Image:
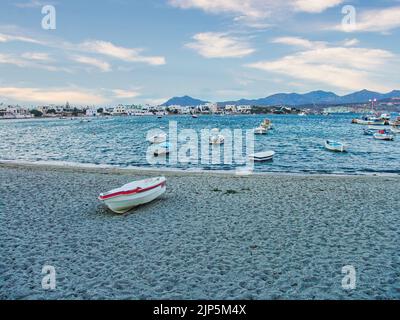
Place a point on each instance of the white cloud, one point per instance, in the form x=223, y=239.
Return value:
x=9, y=38
x=219, y=45
x=11, y=59
x=346, y=68
x=37, y=56
x=125, y=54
x=299, y=42
x=126, y=94
x=351, y=42
x=376, y=20
x=31, y=60
x=315, y=6
x=99, y=47
x=103, y=66
x=248, y=8
x=252, y=10
x=32, y=4
x=48, y=96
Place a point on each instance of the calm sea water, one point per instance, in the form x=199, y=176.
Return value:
x=297, y=141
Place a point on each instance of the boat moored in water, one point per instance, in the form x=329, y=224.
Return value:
x=134, y=194
x=266, y=124
x=395, y=129
x=384, y=135
x=262, y=156
x=260, y=131
x=162, y=150
x=396, y=122
x=335, y=146
x=216, y=138
x=159, y=138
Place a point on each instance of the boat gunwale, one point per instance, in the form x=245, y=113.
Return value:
x=137, y=190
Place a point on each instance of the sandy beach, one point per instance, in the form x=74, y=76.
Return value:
x=211, y=236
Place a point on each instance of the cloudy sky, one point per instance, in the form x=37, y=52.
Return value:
x=124, y=51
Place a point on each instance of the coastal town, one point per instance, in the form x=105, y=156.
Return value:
x=8, y=111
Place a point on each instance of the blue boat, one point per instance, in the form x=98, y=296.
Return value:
x=369, y=132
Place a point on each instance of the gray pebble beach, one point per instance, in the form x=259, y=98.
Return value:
x=211, y=236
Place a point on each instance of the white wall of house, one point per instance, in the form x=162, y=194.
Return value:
x=91, y=112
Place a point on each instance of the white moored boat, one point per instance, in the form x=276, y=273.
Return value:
x=335, y=146
x=262, y=156
x=260, y=130
x=266, y=124
x=383, y=135
x=160, y=138
x=163, y=149
x=395, y=129
x=134, y=194
x=216, y=138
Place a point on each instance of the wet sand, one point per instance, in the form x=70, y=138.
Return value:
x=211, y=236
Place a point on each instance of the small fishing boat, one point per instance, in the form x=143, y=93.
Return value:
x=385, y=116
x=162, y=149
x=396, y=122
x=216, y=138
x=159, y=138
x=134, y=194
x=371, y=119
x=335, y=146
x=384, y=135
x=260, y=131
x=262, y=156
x=395, y=129
x=266, y=124
x=376, y=128
x=369, y=132
x=195, y=116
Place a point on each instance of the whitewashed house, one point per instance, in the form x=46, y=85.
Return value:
x=119, y=110
x=244, y=109
x=14, y=112
x=91, y=112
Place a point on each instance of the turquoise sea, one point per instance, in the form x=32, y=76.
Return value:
x=121, y=141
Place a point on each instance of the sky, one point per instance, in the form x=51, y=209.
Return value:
x=107, y=52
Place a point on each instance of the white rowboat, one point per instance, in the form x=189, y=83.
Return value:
x=163, y=149
x=134, y=194
x=262, y=156
x=216, y=138
x=335, y=146
x=383, y=135
x=260, y=130
x=158, y=139
x=395, y=129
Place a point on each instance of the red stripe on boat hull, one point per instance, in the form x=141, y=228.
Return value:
x=130, y=192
